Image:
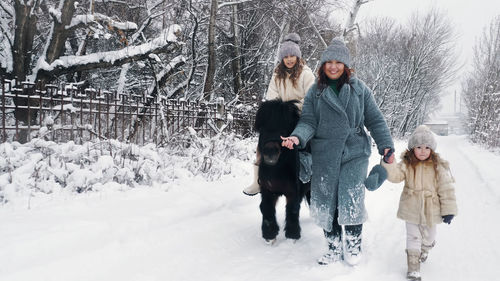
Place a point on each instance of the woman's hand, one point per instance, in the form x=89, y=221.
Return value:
x=288, y=142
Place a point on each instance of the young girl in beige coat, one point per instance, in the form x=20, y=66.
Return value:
x=290, y=81
x=428, y=197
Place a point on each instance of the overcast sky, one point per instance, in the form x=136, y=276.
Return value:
x=469, y=18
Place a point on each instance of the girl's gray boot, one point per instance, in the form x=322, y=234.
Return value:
x=413, y=258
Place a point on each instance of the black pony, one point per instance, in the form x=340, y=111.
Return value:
x=279, y=167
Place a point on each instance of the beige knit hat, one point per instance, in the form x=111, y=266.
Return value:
x=422, y=135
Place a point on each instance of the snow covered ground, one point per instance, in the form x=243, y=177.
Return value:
x=193, y=229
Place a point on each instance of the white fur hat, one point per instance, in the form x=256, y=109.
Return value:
x=422, y=135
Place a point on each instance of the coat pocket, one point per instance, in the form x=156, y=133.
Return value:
x=357, y=145
x=320, y=151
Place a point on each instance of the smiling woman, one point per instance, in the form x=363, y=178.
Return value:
x=336, y=110
x=333, y=69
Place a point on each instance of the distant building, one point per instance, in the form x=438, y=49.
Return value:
x=440, y=128
x=451, y=124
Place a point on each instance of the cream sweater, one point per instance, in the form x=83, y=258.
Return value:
x=286, y=91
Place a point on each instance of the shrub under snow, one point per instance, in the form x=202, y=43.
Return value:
x=45, y=167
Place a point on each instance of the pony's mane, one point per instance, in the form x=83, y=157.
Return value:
x=277, y=115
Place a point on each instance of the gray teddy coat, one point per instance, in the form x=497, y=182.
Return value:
x=340, y=148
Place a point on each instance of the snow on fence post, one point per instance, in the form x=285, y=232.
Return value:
x=123, y=115
x=108, y=107
x=26, y=92
x=4, y=115
x=155, y=116
x=90, y=110
x=115, y=112
x=98, y=97
x=63, y=130
x=16, y=109
x=71, y=115
x=144, y=115
x=219, y=113
x=81, y=96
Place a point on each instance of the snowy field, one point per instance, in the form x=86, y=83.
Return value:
x=190, y=228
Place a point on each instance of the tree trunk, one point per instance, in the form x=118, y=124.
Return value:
x=23, y=38
x=210, y=76
x=194, y=56
x=349, y=26
x=21, y=55
x=55, y=46
x=236, y=62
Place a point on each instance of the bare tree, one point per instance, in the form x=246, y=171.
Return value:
x=408, y=67
x=350, y=24
x=481, y=89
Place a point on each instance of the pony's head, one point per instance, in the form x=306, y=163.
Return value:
x=275, y=118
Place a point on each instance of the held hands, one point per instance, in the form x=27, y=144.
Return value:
x=447, y=219
x=388, y=155
x=289, y=142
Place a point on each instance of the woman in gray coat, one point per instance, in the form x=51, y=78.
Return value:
x=336, y=110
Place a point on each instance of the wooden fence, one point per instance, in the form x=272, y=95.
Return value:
x=66, y=113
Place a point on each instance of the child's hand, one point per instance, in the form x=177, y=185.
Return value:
x=289, y=142
x=447, y=219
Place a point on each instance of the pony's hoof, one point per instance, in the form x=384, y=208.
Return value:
x=270, y=242
x=292, y=233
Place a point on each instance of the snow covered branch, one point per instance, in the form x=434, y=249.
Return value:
x=165, y=43
x=123, y=3
x=162, y=77
x=55, y=14
x=225, y=4
x=84, y=20
x=7, y=9
x=316, y=31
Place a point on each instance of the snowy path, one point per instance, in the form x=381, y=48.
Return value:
x=194, y=230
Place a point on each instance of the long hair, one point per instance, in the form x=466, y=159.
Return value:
x=323, y=79
x=282, y=72
x=410, y=159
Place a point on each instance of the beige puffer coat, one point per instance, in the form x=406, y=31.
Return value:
x=286, y=91
x=426, y=197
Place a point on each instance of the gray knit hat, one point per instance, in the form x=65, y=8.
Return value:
x=422, y=135
x=290, y=46
x=338, y=51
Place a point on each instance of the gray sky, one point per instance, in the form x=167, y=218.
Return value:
x=469, y=18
